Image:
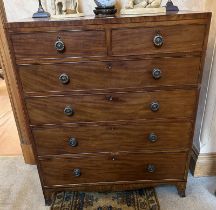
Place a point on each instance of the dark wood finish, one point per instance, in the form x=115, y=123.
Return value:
x=140, y=40
x=110, y=75
x=111, y=186
x=98, y=138
x=181, y=187
x=1, y=73
x=163, y=19
x=65, y=60
x=77, y=43
x=109, y=107
x=114, y=167
x=109, y=62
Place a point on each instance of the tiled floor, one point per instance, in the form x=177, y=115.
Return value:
x=9, y=140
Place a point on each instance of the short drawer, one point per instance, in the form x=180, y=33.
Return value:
x=169, y=39
x=109, y=107
x=110, y=75
x=99, y=138
x=81, y=169
x=76, y=43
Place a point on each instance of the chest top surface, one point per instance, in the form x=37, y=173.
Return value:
x=118, y=19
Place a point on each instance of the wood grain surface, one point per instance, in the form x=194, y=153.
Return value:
x=102, y=168
x=113, y=138
x=140, y=40
x=32, y=24
x=109, y=107
x=77, y=43
x=110, y=74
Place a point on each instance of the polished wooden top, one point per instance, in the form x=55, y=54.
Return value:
x=92, y=20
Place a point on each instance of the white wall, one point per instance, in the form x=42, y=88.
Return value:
x=208, y=137
x=18, y=9
x=208, y=134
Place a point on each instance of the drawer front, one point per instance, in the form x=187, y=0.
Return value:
x=114, y=167
x=108, y=75
x=76, y=43
x=179, y=38
x=109, y=107
x=111, y=138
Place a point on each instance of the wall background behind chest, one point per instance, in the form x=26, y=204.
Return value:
x=17, y=9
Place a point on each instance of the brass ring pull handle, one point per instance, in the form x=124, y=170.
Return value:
x=59, y=45
x=64, y=79
x=155, y=106
x=156, y=73
x=158, y=40
x=68, y=111
x=152, y=137
x=73, y=142
x=77, y=172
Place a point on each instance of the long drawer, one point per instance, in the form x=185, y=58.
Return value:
x=123, y=166
x=172, y=39
x=110, y=75
x=109, y=107
x=111, y=138
x=76, y=43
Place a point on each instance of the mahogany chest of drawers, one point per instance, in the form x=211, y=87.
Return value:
x=111, y=102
